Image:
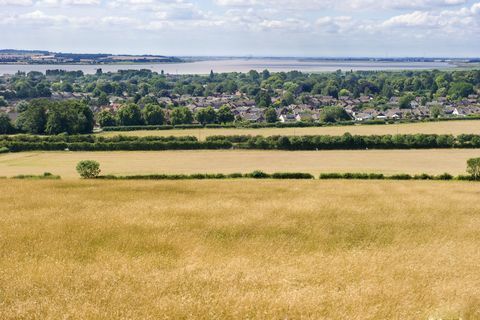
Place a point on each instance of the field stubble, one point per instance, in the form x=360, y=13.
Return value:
x=239, y=249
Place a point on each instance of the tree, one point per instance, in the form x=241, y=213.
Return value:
x=206, y=115
x=106, y=118
x=404, y=101
x=153, y=114
x=181, y=115
x=72, y=117
x=103, y=99
x=436, y=111
x=129, y=115
x=344, y=93
x=88, y=169
x=225, y=115
x=271, y=115
x=333, y=114
x=32, y=120
x=3, y=103
x=288, y=98
x=263, y=99
x=5, y=124
x=473, y=168
x=460, y=90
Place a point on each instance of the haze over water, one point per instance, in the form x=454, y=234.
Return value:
x=235, y=65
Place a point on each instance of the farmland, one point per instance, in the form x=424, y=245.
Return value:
x=430, y=161
x=441, y=127
x=239, y=249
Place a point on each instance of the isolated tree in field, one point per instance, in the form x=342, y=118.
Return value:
x=473, y=168
x=88, y=169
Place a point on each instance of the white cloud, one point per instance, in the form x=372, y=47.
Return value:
x=16, y=2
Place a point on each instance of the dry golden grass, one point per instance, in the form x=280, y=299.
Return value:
x=239, y=250
x=445, y=127
x=382, y=161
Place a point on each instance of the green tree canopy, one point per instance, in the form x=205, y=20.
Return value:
x=106, y=118
x=153, y=114
x=129, y=115
x=225, y=115
x=333, y=114
x=206, y=115
x=181, y=115
x=271, y=115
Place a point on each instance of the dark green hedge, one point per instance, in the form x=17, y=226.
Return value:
x=207, y=176
x=350, y=142
x=375, y=176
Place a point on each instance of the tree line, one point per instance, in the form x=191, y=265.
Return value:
x=344, y=142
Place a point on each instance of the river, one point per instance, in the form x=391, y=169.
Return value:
x=234, y=65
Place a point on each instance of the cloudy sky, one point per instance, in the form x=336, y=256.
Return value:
x=245, y=27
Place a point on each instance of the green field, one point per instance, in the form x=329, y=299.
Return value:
x=434, y=161
x=441, y=127
x=239, y=250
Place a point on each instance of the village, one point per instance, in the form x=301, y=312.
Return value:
x=359, y=110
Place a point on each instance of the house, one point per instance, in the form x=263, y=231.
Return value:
x=287, y=118
x=254, y=117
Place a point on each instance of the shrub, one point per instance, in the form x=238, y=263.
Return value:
x=292, y=175
x=45, y=176
x=423, y=176
x=401, y=177
x=88, y=169
x=235, y=176
x=445, y=176
x=4, y=150
x=331, y=176
x=258, y=175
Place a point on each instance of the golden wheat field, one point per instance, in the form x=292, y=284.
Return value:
x=239, y=250
x=452, y=161
x=445, y=127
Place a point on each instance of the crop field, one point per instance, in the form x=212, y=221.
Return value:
x=442, y=127
x=435, y=161
x=239, y=250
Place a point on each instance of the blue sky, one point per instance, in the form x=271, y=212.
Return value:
x=245, y=27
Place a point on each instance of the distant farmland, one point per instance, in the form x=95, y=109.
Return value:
x=430, y=161
x=442, y=127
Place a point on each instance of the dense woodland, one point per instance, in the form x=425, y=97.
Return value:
x=140, y=94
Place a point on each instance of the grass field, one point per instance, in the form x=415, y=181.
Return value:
x=239, y=250
x=437, y=161
x=444, y=127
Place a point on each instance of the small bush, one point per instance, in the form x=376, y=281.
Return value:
x=423, y=176
x=292, y=175
x=445, y=176
x=45, y=176
x=235, y=176
x=331, y=176
x=4, y=150
x=258, y=175
x=88, y=169
x=401, y=177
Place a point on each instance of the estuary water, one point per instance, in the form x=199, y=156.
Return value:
x=234, y=65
